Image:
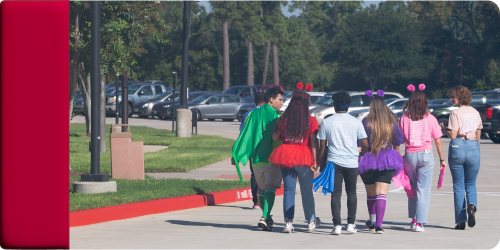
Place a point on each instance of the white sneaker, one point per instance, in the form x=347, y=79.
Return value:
x=288, y=227
x=412, y=225
x=337, y=230
x=352, y=228
x=419, y=228
x=313, y=224
x=255, y=207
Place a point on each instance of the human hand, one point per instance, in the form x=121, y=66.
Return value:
x=443, y=165
x=232, y=161
x=313, y=167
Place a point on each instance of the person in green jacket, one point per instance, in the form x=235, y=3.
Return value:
x=255, y=143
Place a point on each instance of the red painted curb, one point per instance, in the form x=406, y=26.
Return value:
x=126, y=211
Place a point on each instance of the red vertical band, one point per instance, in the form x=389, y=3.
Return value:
x=34, y=124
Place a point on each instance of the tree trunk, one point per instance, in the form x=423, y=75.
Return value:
x=225, y=44
x=276, y=77
x=74, y=68
x=85, y=86
x=103, y=117
x=250, y=77
x=266, y=61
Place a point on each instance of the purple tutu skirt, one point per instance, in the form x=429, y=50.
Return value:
x=385, y=160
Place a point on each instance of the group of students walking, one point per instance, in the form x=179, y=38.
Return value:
x=290, y=146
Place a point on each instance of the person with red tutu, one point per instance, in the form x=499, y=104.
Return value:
x=382, y=160
x=297, y=156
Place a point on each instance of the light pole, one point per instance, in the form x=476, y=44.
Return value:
x=95, y=57
x=173, y=100
x=183, y=114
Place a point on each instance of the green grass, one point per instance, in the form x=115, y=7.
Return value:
x=130, y=191
x=182, y=154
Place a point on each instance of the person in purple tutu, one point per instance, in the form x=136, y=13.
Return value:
x=382, y=160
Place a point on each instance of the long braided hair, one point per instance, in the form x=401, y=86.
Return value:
x=296, y=114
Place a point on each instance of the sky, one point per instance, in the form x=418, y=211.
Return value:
x=285, y=8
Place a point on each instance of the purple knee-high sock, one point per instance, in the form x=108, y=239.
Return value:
x=380, y=205
x=370, y=202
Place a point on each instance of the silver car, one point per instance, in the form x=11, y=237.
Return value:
x=395, y=104
x=216, y=106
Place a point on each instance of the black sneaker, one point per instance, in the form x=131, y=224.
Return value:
x=379, y=230
x=471, y=213
x=460, y=225
x=269, y=226
x=262, y=223
x=370, y=226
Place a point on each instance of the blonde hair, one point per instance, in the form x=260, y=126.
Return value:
x=381, y=120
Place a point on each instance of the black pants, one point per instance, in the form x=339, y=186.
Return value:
x=253, y=185
x=350, y=175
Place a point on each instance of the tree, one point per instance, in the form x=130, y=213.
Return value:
x=223, y=11
x=382, y=45
x=249, y=23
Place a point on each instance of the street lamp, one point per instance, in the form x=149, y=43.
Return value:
x=183, y=114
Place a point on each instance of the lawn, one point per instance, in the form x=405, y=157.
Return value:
x=182, y=154
x=130, y=191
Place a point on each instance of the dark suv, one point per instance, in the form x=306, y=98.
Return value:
x=487, y=103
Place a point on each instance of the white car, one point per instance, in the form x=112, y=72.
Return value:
x=359, y=101
x=315, y=96
x=395, y=104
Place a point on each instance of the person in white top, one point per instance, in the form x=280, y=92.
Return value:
x=464, y=156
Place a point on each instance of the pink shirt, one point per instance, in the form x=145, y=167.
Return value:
x=466, y=121
x=418, y=133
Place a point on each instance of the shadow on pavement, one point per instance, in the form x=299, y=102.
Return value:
x=208, y=224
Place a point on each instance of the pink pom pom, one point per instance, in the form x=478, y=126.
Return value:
x=421, y=87
x=411, y=88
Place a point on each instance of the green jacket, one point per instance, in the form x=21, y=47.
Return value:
x=256, y=138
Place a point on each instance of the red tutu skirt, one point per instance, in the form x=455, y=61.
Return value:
x=291, y=155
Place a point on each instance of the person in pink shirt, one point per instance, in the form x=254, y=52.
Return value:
x=464, y=155
x=419, y=128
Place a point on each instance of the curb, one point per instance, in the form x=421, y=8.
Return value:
x=131, y=210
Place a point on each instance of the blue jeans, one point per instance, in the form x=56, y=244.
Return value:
x=419, y=166
x=464, y=159
x=290, y=182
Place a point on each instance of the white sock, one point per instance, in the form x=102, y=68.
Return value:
x=373, y=218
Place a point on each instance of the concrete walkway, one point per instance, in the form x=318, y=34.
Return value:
x=233, y=225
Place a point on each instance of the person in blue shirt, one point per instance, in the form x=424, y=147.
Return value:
x=259, y=102
x=342, y=131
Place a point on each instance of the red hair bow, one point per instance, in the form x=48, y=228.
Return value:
x=309, y=87
x=300, y=86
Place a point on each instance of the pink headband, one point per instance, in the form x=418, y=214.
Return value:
x=411, y=88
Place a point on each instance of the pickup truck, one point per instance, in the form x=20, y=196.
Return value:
x=487, y=103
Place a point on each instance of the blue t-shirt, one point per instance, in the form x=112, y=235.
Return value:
x=342, y=132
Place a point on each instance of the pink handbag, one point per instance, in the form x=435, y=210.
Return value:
x=401, y=179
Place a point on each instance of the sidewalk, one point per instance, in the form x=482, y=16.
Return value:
x=234, y=225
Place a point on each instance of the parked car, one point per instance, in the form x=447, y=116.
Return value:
x=167, y=87
x=161, y=109
x=314, y=97
x=395, y=104
x=113, y=84
x=215, y=106
x=136, y=93
x=359, y=101
x=437, y=101
x=145, y=109
x=247, y=93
